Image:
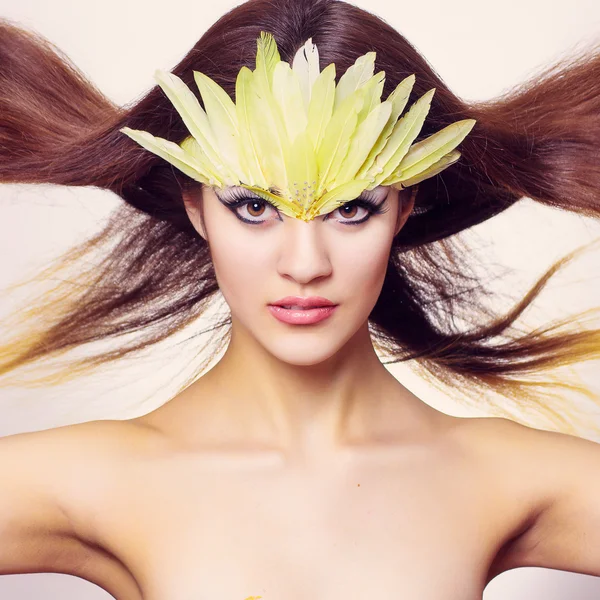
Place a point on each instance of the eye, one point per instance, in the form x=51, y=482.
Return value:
x=249, y=209
x=253, y=208
x=349, y=210
x=245, y=207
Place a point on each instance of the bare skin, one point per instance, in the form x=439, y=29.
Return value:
x=178, y=514
x=299, y=467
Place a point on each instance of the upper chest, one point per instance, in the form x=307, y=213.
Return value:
x=422, y=523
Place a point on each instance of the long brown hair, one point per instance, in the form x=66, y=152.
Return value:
x=540, y=140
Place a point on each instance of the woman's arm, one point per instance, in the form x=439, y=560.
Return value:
x=47, y=479
x=561, y=473
x=36, y=534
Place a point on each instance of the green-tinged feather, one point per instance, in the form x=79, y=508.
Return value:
x=398, y=98
x=269, y=133
x=303, y=174
x=338, y=196
x=355, y=77
x=372, y=91
x=222, y=117
x=336, y=140
x=193, y=116
x=321, y=105
x=247, y=146
x=425, y=153
x=297, y=140
x=404, y=133
x=170, y=152
x=288, y=95
x=362, y=141
x=267, y=56
x=434, y=169
x=266, y=121
x=191, y=147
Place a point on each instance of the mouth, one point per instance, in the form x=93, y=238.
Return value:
x=302, y=310
x=301, y=316
x=303, y=303
x=298, y=307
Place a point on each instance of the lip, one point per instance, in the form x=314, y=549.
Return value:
x=301, y=317
x=305, y=303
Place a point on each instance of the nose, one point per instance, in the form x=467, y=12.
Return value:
x=303, y=254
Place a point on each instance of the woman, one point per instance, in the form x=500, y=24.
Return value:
x=298, y=466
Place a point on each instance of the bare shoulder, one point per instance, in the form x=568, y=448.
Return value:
x=548, y=480
x=57, y=481
x=513, y=451
x=110, y=452
x=81, y=463
x=503, y=452
x=103, y=452
x=490, y=434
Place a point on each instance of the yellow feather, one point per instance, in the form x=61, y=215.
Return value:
x=296, y=139
x=404, y=133
x=355, y=77
x=336, y=140
x=303, y=174
x=269, y=133
x=398, y=98
x=170, y=152
x=221, y=114
x=427, y=152
x=267, y=56
x=338, y=196
x=288, y=95
x=191, y=147
x=434, y=169
x=265, y=119
x=366, y=135
x=247, y=147
x=193, y=116
x=372, y=90
x=320, y=108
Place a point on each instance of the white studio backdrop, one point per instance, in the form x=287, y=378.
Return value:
x=480, y=49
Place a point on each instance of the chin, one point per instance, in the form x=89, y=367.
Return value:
x=303, y=354
x=301, y=346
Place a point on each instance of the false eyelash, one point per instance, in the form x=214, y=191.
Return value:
x=373, y=207
x=240, y=196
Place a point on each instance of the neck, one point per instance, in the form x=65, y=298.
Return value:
x=311, y=409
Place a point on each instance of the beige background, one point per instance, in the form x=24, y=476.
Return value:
x=479, y=48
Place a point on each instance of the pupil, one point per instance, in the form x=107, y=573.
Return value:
x=252, y=206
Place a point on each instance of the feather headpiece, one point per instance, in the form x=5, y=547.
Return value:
x=298, y=140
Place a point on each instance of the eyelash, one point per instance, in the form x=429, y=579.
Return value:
x=239, y=197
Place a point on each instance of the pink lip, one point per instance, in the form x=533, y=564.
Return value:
x=301, y=317
x=305, y=303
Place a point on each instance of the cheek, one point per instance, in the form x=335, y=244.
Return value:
x=245, y=261
x=362, y=265
x=242, y=263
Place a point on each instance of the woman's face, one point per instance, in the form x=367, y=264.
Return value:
x=261, y=255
